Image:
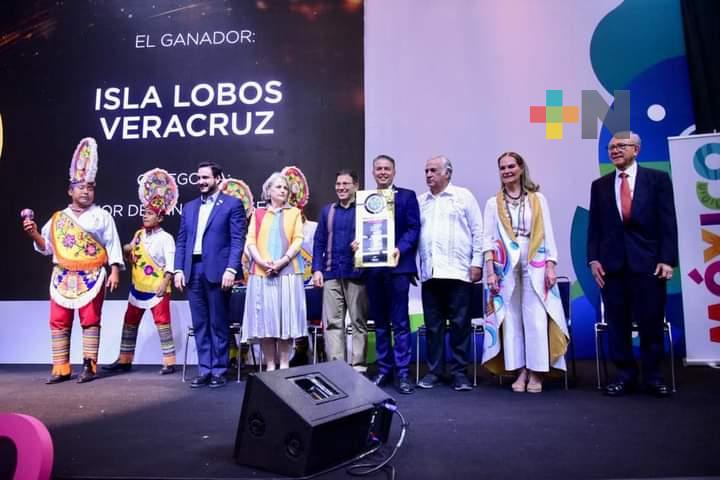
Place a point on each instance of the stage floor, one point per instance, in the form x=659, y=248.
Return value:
x=143, y=425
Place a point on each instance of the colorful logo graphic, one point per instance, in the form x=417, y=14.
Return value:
x=554, y=114
x=654, y=68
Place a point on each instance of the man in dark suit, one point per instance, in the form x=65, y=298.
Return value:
x=207, y=259
x=388, y=288
x=632, y=249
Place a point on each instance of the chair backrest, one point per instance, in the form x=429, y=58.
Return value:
x=477, y=301
x=313, y=304
x=237, y=304
x=563, y=284
x=633, y=325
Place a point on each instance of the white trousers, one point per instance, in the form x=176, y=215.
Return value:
x=525, y=328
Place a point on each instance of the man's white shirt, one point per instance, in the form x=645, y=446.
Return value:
x=450, y=234
x=203, y=216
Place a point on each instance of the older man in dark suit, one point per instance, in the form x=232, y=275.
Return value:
x=388, y=287
x=632, y=249
x=207, y=258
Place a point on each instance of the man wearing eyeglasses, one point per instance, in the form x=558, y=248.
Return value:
x=632, y=249
x=334, y=271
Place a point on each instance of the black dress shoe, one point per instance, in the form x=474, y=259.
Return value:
x=87, y=374
x=116, y=366
x=403, y=385
x=381, y=379
x=167, y=369
x=201, y=381
x=619, y=388
x=57, y=379
x=217, y=382
x=659, y=390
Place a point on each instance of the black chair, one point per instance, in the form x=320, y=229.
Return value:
x=477, y=322
x=601, y=327
x=369, y=325
x=316, y=327
x=564, y=284
x=189, y=333
x=313, y=304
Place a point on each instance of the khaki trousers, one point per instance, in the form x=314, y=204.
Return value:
x=343, y=298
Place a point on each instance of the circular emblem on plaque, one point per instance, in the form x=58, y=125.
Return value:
x=375, y=203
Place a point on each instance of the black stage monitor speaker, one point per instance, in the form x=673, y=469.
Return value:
x=304, y=420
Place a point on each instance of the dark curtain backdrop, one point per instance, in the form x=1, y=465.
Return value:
x=701, y=22
x=55, y=56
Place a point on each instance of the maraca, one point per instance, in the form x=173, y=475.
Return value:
x=27, y=214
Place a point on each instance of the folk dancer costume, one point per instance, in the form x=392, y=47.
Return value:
x=524, y=322
x=153, y=257
x=81, y=244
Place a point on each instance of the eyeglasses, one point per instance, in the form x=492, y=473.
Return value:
x=621, y=146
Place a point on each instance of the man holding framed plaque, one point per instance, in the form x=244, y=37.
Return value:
x=387, y=231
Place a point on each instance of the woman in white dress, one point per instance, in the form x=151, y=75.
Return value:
x=525, y=329
x=275, y=310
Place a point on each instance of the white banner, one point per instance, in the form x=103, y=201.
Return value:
x=695, y=162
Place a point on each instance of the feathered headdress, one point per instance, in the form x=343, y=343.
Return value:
x=299, y=193
x=158, y=191
x=84, y=164
x=238, y=189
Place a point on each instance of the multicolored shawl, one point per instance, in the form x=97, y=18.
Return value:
x=273, y=232
x=505, y=256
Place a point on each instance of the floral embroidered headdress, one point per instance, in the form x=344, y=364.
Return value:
x=84, y=164
x=158, y=191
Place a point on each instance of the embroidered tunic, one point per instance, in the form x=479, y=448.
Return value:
x=80, y=247
x=154, y=254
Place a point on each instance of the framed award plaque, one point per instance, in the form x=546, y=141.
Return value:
x=375, y=228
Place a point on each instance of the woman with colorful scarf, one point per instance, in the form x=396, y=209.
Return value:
x=525, y=329
x=275, y=311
